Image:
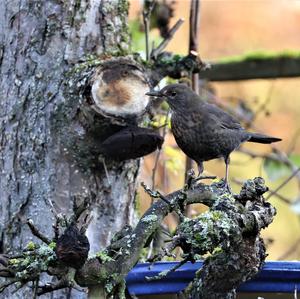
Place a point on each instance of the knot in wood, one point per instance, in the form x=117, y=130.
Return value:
x=118, y=88
x=252, y=190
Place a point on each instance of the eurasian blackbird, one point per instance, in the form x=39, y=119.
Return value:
x=203, y=131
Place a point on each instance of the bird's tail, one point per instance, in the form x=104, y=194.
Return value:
x=260, y=138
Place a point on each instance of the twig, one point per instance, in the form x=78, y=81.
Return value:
x=6, y=284
x=49, y=202
x=35, y=286
x=148, y=7
x=155, y=194
x=155, y=52
x=283, y=183
x=276, y=155
x=194, y=25
x=88, y=219
x=165, y=125
x=61, y=284
x=78, y=210
x=294, y=141
x=4, y=259
x=165, y=273
x=37, y=233
x=284, y=199
x=4, y=270
x=193, y=47
x=22, y=284
x=165, y=251
x=56, y=228
x=69, y=293
x=263, y=106
x=102, y=159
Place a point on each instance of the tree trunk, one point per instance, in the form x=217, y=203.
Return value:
x=39, y=42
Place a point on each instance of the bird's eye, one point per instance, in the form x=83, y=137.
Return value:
x=124, y=73
x=173, y=93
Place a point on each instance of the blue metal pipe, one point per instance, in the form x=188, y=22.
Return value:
x=275, y=277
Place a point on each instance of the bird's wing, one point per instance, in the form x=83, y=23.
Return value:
x=222, y=118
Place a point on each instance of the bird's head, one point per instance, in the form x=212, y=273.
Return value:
x=177, y=95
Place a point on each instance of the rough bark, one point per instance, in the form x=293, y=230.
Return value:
x=40, y=42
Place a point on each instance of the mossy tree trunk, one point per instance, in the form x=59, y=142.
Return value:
x=39, y=42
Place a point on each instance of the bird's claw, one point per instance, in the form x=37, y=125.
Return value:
x=204, y=177
x=192, y=178
x=228, y=188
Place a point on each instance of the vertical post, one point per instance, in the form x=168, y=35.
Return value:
x=193, y=46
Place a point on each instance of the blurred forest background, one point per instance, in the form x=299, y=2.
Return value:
x=233, y=28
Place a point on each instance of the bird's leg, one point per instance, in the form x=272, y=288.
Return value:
x=102, y=160
x=227, y=161
x=200, y=168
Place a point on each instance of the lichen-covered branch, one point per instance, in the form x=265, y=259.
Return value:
x=111, y=266
x=236, y=257
x=254, y=66
x=230, y=228
x=175, y=66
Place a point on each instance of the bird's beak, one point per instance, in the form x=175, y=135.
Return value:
x=154, y=93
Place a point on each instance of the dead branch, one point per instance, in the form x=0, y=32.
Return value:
x=148, y=7
x=231, y=221
x=165, y=42
x=37, y=233
x=175, y=66
x=253, y=68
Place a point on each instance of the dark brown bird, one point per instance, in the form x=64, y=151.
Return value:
x=72, y=247
x=203, y=131
x=131, y=143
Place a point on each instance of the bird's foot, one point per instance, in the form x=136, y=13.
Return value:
x=227, y=187
x=204, y=177
x=191, y=175
x=193, y=179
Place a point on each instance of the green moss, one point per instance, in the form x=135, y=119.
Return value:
x=115, y=286
x=25, y=262
x=33, y=262
x=177, y=57
x=217, y=250
x=103, y=256
x=14, y=261
x=206, y=232
x=123, y=6
x=170, y=60
x=52, y=245
x=30, y=246
x=260, y=55
x=124, y=45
